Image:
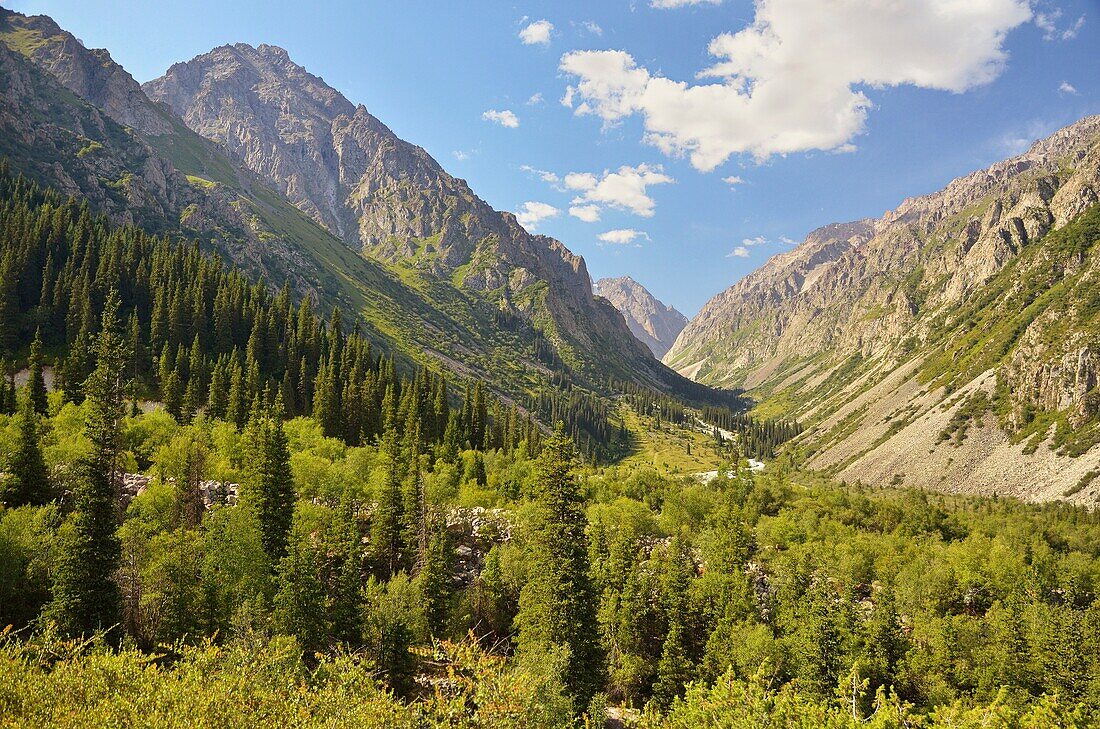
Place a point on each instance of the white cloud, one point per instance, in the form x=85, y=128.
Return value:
x=535, y=99
x=1071, y=32
x=681, y=3
x=790, y=81
x=460, y=155
x=592, y=27
x=587, y=213
x=504, y=118
x=531, y=214
x=1067, y=88
x=567, y=97
x=537, y=33
x=742, y=251
x=623, y=189
x=733, y=180
x=580, y=180
x=1047, y=21
x=621, y=237
x=544, y=175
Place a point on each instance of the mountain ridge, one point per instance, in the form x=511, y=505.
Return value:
x=893, y=315
x=391, y=199
x=145, y=165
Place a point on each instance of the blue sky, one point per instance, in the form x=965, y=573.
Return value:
x=819, y=111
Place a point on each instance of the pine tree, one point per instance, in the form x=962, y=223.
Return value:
x=345, y=609
x=674, y=670
x=434, y=581
x=387, y=546
x=448, y=451
x=558, y=603
x=190, y=502
x=36, y=383
x=269, y=487
x=29, y=481
x=86, y=595
x=195, y=393
x=300, y=599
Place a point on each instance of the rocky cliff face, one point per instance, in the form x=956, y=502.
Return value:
x=655, y=324
x=349, y=172
x=74, y=119
x=967, y=285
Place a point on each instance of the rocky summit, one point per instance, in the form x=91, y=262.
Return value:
x=654, y=323
x=389, y=198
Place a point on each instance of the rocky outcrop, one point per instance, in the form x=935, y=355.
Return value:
x=974, y=281
x=347, y=170
x=654, y=323
x=90, y=74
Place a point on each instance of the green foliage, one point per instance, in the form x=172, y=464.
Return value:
x=86, y=596
x=557, y=604
x=28, y=481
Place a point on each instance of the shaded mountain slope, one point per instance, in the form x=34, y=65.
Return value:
x=346, y=170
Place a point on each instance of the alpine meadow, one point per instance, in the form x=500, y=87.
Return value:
x=299, y=430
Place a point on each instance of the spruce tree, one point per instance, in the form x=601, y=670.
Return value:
x=269, y=487
x=387, y=546
x=86, y=596
x=300, y=599
x=674, y=670
x=28, y=482
x=345, y=609
x=434, y=581
x=36, y=382
x=558, y=603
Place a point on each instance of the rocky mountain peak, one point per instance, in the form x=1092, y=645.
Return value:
x=380, y=194
x=654, y=323
x=90, y=74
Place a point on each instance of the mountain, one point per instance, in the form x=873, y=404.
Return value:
x=656, y=325
x=477, y=293
x=952, y=343
x=388, y=198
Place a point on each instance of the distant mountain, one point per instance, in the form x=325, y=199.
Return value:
x=389, y=198
x=444, y=279
x=952, y=343
x=655, y=324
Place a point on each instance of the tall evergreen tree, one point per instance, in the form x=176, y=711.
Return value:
x=387, y=545
x=86, y=596
x=269, y=487
x=345, y=609
x=434, y=581
x=29, y=481
x=36, y=382
x=558, y=603
x=300, y=599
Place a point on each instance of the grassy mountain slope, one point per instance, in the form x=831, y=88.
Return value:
x=951, y=344
x=135, y=160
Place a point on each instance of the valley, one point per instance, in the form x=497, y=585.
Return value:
x=296, y=429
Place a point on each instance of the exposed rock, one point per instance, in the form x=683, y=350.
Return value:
x=347, y=170
x=844, y=331
x=654, y=323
